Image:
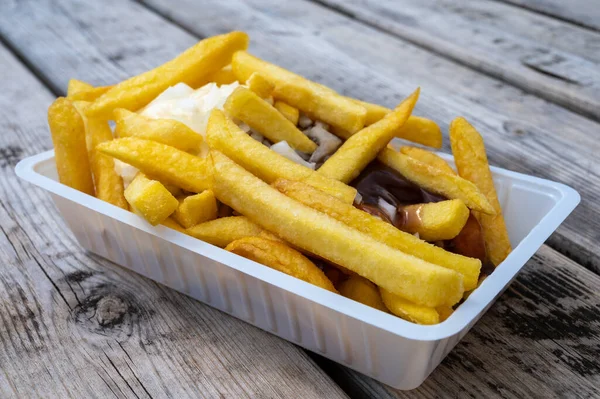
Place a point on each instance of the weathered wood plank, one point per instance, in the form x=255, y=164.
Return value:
x=473, y=34
x=540, y=340
x=522, y=132
x=579, y=12
x=75, y=325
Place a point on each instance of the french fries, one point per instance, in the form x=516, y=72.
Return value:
x=313, y=99
x=436, y=181
x=197, y=208
x=362, y=290
x=247, y=106
x=108, y=184
x=472, y=164
x=280, y=257
x=444, y=312
x=260, y=85
x=223, y=231
x=81, y=91
x=405, y=275
x=376, y=228
x=70, y=149
x=164, y=163
x=223, y=76
x=193, y=67
x=409, y=311
x=172, y=224
x=427, y=157
x=291, y=113
x=435, y=221
x=224, y=135
x=360, y=149
x=166, y=131
x=150, y=199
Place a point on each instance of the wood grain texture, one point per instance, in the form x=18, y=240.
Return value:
x=541, y=339
x=522, y=132
x=75, y=325
x=578, y=12
x=464, y=32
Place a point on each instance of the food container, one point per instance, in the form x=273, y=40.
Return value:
x=382, y=346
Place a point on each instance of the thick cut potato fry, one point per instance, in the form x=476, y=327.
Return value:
x=164, y=163
x=416, y=129
x=362, y=290
x=227, y=137
x=281, y=257
x=315, y=232
x=70, y=150
x=81, y=91
x=247, y=106
x=360, y=149
x=409, y=311
x=376, y=228
x=291, y=113
x=444, y=312
x=193, y=67
x=317, y=101
x=472, y=164
x=172, y=224
x=260, y=85
x=223, y=231
x=197, y=208
x=108, y=183
x=150, y=199
x=166, y=131
x=223, y=76
x=435, y=180
x=427, y=157
x=435, y=221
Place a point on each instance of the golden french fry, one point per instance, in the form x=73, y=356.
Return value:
x=376, y=228
x=197, y=208
x=360, y=149
x=174, y=190
x=226, y=136
x=108, y=183
x=409, y=311
x=472, y=164
x=150, y=199
x=416, y=129
x=172, y=224
x=164, y=163
x=427, y=157
x=70, y=150
x=223, y=76
x=436, y=181
x=362, y=290
x=310, y=230
x=444, y=312
x=166, y=131
x=280, y=257
x=317, y=101
x=291, y=113
x=82, y=91
x=435, y=221
x=223, y=231
x=192, y=67
x=260, y=85
x=247, y=106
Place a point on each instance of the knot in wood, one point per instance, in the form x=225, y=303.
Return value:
x=110, y=310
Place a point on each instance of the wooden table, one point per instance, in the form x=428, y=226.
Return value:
x=525, y=72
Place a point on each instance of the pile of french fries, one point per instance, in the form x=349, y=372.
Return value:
x=225, y=187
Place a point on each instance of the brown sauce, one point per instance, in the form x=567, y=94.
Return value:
x=378, y=181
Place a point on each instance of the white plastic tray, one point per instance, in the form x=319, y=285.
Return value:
x=382, y=346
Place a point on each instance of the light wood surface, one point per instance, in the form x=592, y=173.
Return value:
x=578, y=12
x=72, y=324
